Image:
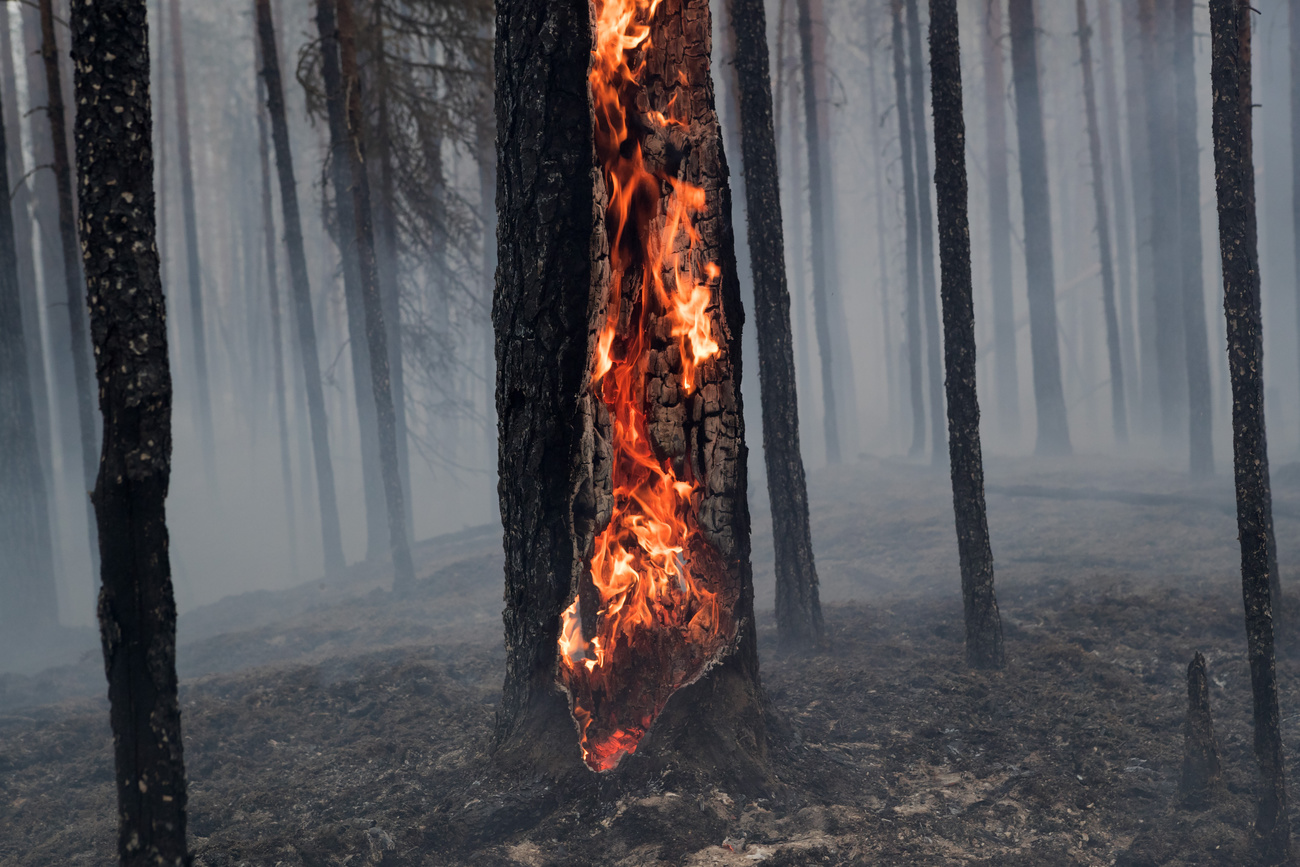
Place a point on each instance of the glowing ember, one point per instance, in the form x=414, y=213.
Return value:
x=661, y=619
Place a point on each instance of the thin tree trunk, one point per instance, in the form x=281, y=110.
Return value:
x=1294, y=23
x=75, y=292
x=137, y=612
x=273, y=295
x=925, y=231
x=798, y=605
x=28, y=594
x=910, y=242
x=1119, y=411
x=343, y=84
x=1238, y=244
x=1049, y=397
x=198, y=334
x=983, y=623
x=1005, y=362
x=821, y=262
x=882, y=251
x=1195, y=337
x=331, y=532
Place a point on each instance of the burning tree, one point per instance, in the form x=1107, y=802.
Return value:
x=622, y=452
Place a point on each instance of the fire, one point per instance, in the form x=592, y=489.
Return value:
x=661, y=619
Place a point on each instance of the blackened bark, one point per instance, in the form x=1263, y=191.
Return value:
x=331, y=532
x=925, y=231
x=966, y=461
x=137, y=613
x=552, y=285
x=910, y=241
x=1195, y=338
x=1238, y=244
x=28, y=599
x=1119, y=410
x=194, y=268
x=1007, y=370
x=340, y=168
x=1049, y=398
x=1201, y=768
x=72, y=281
x=336, y=25
x=273, y=295
x=798, y=605
x=821, y=260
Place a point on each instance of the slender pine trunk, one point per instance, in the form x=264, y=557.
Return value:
x=911, y=255
x=878, y=148
x=1238, y=244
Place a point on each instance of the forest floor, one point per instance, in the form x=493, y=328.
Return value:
x=334, y=725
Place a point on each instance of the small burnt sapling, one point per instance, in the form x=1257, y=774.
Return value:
x=1202, y=772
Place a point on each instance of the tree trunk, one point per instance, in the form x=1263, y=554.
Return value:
x=798, y=606
x=1202, y=772
x=1119, y=412
x=72, y=281
x=331, y=532
x=914, y=363
x=925, y=229
x=1295, y=148
x=1005, y=365
x=1049, y=397
x=28, y=595
x=1195, y=336
x=818, y=153
x=559, y=286
x=966, y=461
x=1238, y=239
x=137, y=613
x=273, y=295
x=198, y=334
x=340, y=166
x=879, y=149
x=343, y=85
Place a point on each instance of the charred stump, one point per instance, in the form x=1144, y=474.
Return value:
x=1238, y=244
x=580, y=293
x=1201, y=768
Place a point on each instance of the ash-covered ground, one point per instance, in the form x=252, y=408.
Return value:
x=334, y=725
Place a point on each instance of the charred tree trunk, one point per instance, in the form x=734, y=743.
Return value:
x=343, y=84
x=818, y=153
x=340, y=166
x=798, y=605
x=72, y=282
x=1004, y=307
x=1119, y=410
x=925, y=230
x=1238, y=244
x=28, y=597
x=1202, y=773
x=556, y=287
x=966, y=460
x=910, y=241
x=1195, y=336
x=273, y=295
x=1049, y=397
x=194, y=268
x=137, y=613
x=331, y=532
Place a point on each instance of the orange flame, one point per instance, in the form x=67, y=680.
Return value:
x=652, y=567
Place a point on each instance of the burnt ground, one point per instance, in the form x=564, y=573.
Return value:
x=333, y=725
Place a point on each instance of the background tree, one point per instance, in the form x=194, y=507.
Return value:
x=1230, y=27
x=137, y=612
x=915, y=369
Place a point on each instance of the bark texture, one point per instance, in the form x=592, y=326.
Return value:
x=915, y=364
x=1119, y=410
x=925, y=232
x=331, y=532
x=1049, y=398
x=554, y=451
x=1238, y=244
x=1201, y=768
x=966, y=461
x=193, y=262
x=1007, y=371
x=137, y=613
x=798, y=605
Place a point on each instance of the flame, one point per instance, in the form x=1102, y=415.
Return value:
x=653, y=571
